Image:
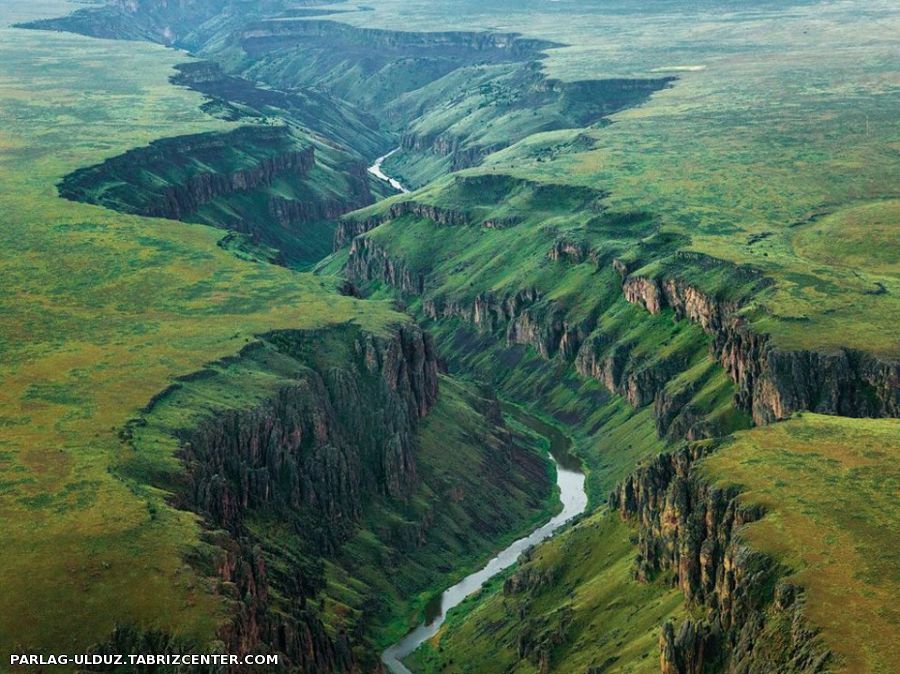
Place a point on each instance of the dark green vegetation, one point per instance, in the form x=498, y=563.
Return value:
x=260, y=181
x=676, y=272
x=305, y=452
x=281, y=181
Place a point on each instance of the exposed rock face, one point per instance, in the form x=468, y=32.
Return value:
x=179, y=187
x=369, y=262
x=310, y=457
x=177, y=201
x=287, y=212
x=574, y=252
x=689, y=529
x=489, y=189
x=485, y=45
x=226, y=180
x=350, y=228
x=446, y=145
x=529, y=319
x=774, y=383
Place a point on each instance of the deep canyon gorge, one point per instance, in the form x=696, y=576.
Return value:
x=531, y=338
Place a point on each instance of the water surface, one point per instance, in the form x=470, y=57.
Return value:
x=573, y=496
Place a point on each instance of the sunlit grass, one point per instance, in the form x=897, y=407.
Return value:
x=613, y=620
x=830, y=489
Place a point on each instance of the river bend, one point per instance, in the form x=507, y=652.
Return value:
x=573, y=496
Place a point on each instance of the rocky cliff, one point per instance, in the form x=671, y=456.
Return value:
x=483, y=190
x=774, y=383
x=621, y=362
x=369, y=262
x=266, y=182
x=178, y=201
x=310, y=458
x=174, y=177
x=690, y=530
x=349, y=228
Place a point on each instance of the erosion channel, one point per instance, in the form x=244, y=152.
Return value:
x=569, y=479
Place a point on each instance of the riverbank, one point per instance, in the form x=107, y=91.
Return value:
x=573, y=497
x=376, y=170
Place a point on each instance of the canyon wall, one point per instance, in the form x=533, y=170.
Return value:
x=621, y=362
x=311, y=458
x=774, y=383
x=753, y=620
x=174, y=177
x=178, y=201
x=261, y=181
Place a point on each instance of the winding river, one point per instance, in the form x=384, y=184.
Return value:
x=570, y=480
x=375, y=170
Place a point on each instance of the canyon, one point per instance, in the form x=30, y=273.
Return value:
x=381, y=273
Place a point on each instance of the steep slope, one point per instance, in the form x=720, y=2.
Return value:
x=150, y=435
x=598, y=294
x=704, y=264
x=550, y=289
x=101, y=311
x=772, y=537
x=278, y=187
x=452, y=97
x=309, y=458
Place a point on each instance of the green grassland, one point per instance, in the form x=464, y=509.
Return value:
x=831, y=491
x=777, y=119
x=98, y=312
x=462, y=262
x=777, y=149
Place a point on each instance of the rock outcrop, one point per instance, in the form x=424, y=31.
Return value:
x=690, y=530
x=350, y=228
x=369, y=262
x=773, y=383
x=228, y=180
x=179, y=200
x=528, y=318
x=310, y=457
x=174, y=177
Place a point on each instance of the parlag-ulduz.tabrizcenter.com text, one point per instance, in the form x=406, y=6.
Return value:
x=136, y=659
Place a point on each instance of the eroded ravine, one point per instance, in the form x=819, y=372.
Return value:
x=572, y=495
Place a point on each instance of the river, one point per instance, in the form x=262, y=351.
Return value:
x=375, y=170
x=570, y=480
